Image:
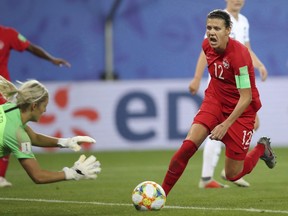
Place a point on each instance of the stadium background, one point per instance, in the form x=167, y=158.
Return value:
x=156, y=46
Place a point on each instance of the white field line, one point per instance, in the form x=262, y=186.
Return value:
x=125, y=204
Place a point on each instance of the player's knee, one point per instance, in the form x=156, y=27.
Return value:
x=232, y=176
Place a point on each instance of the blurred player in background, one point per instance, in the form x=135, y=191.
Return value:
x=27, y=104
x=10, y=39
x=229, y=107
x=212, y=148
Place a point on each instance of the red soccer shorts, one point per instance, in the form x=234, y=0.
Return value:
x=238, y=137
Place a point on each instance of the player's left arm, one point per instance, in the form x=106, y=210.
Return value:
x=73, y=143
x=243, y=84
x=41, y=140
x=245, y=99
x=257, y=63
x=40, y=52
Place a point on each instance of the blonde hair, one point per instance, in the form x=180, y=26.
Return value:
x=29, y=92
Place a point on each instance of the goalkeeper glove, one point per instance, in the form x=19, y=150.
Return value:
x=84, y=168
x=73, y=143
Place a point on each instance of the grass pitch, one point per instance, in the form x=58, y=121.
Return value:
x=110, y=193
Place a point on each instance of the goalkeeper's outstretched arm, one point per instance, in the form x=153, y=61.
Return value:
x=42, y=140
x=83, y=168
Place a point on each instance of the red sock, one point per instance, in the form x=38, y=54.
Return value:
x=4, y=161
x=178, y=164
x=250, y=161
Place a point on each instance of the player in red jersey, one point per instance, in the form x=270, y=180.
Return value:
x=229, y=107
x=212, y=148
x=10, y=39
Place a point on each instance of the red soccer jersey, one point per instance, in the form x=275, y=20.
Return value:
x=223, y=68
x=10, y=39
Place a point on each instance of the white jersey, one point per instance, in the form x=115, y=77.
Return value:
x=240, y=28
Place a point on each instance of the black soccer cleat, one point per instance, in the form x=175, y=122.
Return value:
x=269, y=156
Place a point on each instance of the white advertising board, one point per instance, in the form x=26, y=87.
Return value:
x=151, y=114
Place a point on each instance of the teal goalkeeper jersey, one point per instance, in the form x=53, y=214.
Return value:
x=13, y=137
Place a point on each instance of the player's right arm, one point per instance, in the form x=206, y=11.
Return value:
x=83, y=168
x=38, y=175
x=200, y=67
x=40, y=52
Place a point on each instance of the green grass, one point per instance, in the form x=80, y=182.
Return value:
x=110, y=193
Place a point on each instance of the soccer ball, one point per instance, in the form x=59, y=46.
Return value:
x=148, y=196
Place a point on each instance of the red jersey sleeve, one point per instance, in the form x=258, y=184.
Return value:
x=10, y=39
x=17, y=41
x=241, y=57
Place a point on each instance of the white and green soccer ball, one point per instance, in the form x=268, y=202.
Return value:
x=148, y=196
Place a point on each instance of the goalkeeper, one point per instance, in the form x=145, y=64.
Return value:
x=27, y=103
